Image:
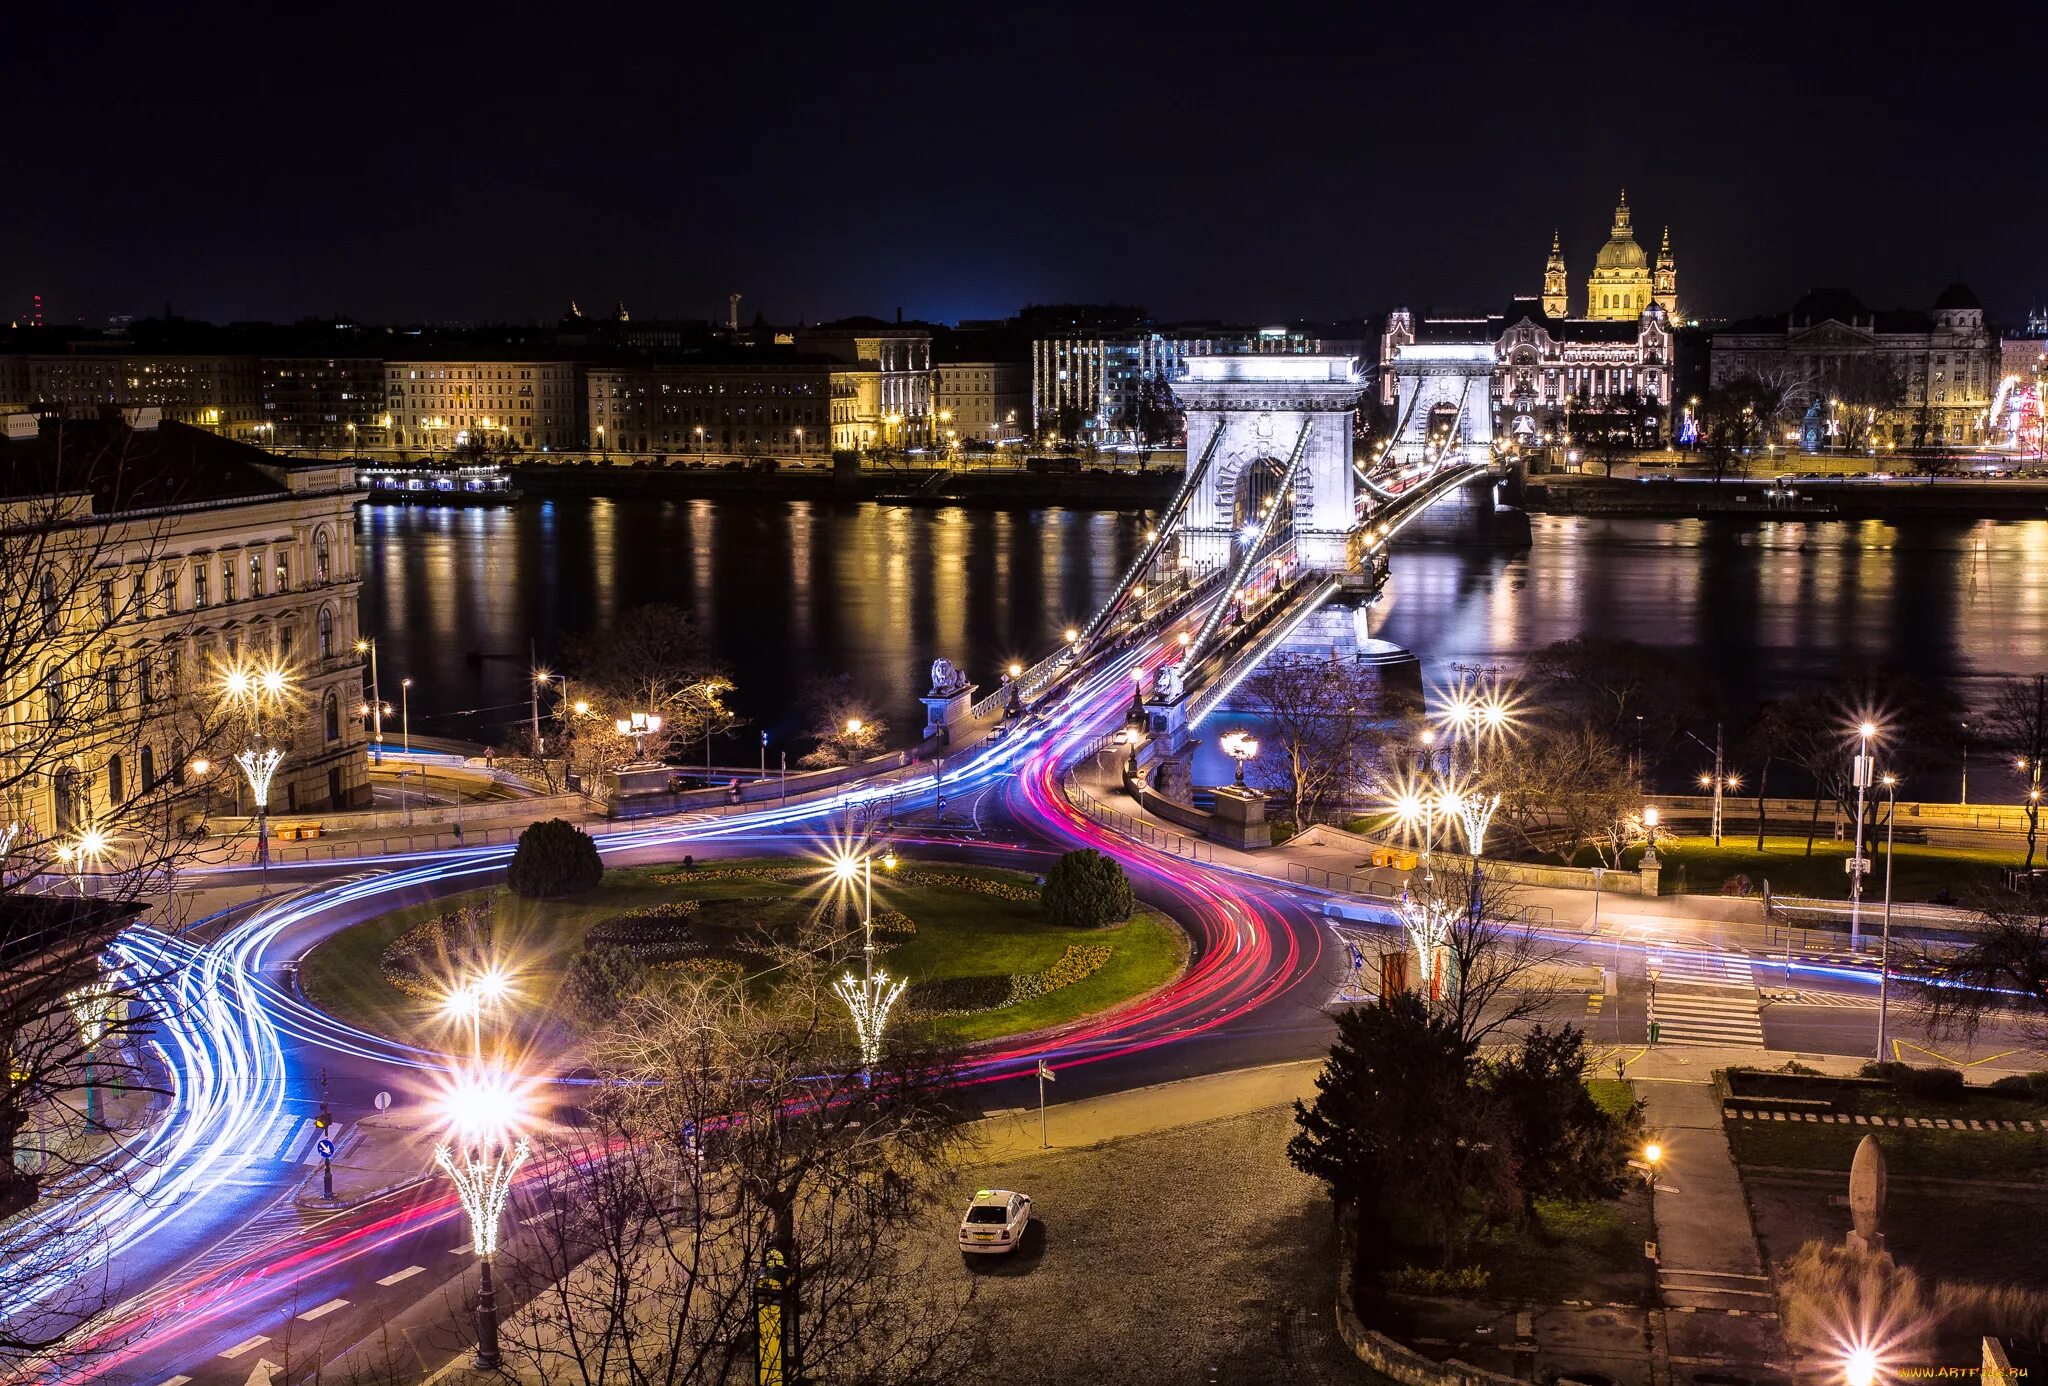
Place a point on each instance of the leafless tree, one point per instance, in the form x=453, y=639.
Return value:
x=1566, y=788
x=1501, y=969
x=2018, y=725
x=652, y=661
x=728, y=1127
x=843, y=722
x=1327, y=724
x=106, y=735
x=2001, y=971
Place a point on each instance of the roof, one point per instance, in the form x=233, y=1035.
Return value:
x=126, y=469
x=1957, y=296
x=1621, y=252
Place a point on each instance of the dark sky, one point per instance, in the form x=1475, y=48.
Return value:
x=1243, y=160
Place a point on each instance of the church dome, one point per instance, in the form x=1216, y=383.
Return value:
x=1621, y=253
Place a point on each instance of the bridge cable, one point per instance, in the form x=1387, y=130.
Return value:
x=1251, y=552
x=1167, y=520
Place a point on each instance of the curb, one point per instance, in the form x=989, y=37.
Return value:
x=315, y=1203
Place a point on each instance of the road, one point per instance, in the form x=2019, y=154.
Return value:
x=218, y=1272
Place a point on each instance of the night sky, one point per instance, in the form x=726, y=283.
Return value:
x=1246, y=161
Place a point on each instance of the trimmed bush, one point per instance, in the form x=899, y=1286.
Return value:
x=598, y=982
x=2033, y=1084
x=553, y=858
x=1086, y=888
x=1940, y=1083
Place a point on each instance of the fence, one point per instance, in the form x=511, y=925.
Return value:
x=1151, y=834
x=1380, y=888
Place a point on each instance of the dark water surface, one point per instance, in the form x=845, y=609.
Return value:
x=786, y=589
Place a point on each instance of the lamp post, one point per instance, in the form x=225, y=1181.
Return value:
x=639, y=726
x=482, y=1155
x=258, y=690
x=1240, y=747
x=1473, y=814
x=869, y=999
x=1861, y=773
x=95, y=1007
x=369, y=646
x=1963, y=794
x=1884, y=960
x=405, y=712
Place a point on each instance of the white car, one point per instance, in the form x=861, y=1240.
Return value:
x=995, y=1222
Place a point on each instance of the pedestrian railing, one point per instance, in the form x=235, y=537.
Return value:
x=1151, y=834
x=1389, y=887
x=1799, y=908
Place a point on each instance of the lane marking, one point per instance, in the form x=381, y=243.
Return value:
x=323, y=1310
x=174, y=1381
x=406, y=1274
x=246, y=1345
x=462, y=1250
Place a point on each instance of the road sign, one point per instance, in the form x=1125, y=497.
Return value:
x=1045, y=1071
x=326, y=1148
x=383, y=1101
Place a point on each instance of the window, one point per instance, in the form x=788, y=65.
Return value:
x=227, y=581
x=114, y=784
x=284, y=571
x=113, y=682
x=320, y=555
x=49, y=600
x=326, y=632
x=174, y=667
x=198, y=587
x=331, y=716
x=107, y=600
x=148, y=769
x=64, y=787
x=53, y=694
x=255, y=574
x=284, y=644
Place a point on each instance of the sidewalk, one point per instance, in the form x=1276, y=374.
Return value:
x=1007, y=1134
x=378, y=1155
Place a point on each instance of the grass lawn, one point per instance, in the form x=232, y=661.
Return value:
x=1920, y=872
x=1594, y=1251
x=960, y=932
x=2013, y=1156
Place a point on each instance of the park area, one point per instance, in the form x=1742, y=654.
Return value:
x=1919, y=872
x=981, y=958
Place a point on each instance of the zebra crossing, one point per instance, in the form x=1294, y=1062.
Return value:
x=295, y=1140
x=1704, y=998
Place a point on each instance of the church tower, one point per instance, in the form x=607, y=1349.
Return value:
x=1619, y=290
x=1664, y=284
x=1554, y=305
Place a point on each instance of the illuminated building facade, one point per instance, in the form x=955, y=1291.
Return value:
x=1927, y=376
x=221, y=393
x=740, y=408
x=881, y=386
x=324, y=403
x=208, y=554
x=506, y=405
x=983, y=401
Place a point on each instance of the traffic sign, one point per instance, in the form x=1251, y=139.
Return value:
x=383, y=1101
x=326, y=1148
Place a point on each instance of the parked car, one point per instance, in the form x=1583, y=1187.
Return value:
x=995, y=1222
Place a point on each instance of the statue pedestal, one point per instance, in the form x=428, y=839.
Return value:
x=1167, y=724
x=945, y=711
x=640, y=777
x=1241, y=817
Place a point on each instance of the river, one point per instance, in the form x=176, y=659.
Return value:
x=786, y=589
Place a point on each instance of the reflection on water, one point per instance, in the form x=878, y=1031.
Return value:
x=1763, y=607
x=784, y=590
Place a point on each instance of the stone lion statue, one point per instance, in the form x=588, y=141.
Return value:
x=1166, y=685
x=945, y=678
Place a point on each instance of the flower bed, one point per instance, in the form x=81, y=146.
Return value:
x=727, y=970
x=417, y=961
x=968, y=995
x=653, y=933
x=980, y=885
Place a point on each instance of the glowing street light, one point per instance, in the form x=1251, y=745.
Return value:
x=95, y=1006
x=1240, y=747
x=1862, y=772
x=639, y=726
x=483, y=1153
x=870, y=997
x=1859, y=1368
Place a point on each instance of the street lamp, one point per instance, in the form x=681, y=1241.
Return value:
x=1884, y=960
x=482, y=1155
x=1473, y=813
x=1650, y=820
x=1240, y=747
x=1859, y=1368
x=639, y=726
x=375, y=708
x=259, y=689
x=405, y=712
x=870, y=997
x=95, y=1006
x=1861, y=772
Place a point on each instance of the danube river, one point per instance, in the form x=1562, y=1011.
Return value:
x=785, y=590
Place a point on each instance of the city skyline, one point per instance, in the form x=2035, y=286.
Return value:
x=843, y=165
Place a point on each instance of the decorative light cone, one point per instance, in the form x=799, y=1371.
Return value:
x=869, y=1000
x=1428, y=922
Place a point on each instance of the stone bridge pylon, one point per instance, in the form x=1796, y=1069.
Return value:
x=1279, y=413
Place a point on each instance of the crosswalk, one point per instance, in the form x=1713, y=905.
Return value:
x=1704, y=998
x=295, y=1140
